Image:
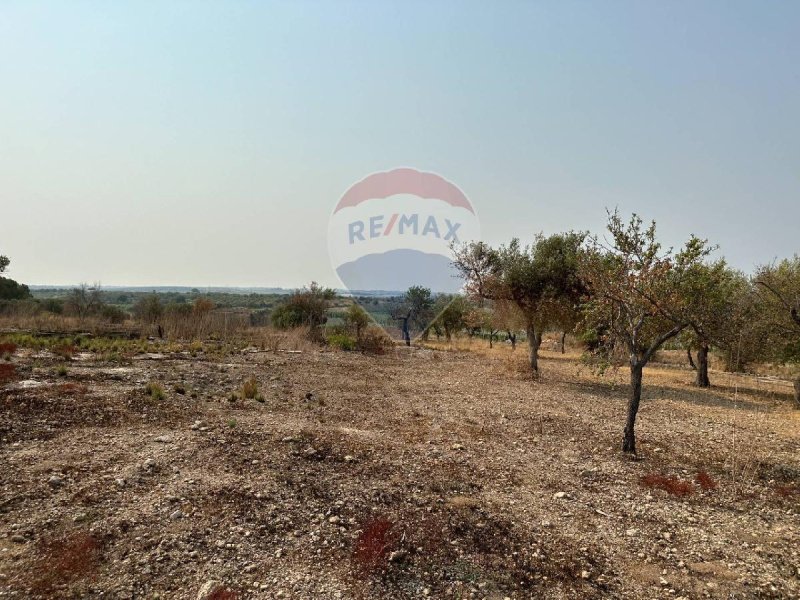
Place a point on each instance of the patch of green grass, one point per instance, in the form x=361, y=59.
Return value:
x=154, y=390
x=61, y=371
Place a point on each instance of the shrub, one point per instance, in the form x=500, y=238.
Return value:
x=374, y=340
x=61, y=371
x=113, y=314
x=154, y=390
x=250, y=389
x=671, y=485
x=342, y=341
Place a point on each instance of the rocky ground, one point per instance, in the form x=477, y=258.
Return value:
x=416, y=473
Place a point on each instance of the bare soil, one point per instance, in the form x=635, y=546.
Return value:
x=417, y=473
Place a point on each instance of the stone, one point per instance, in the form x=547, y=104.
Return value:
x=55, y=481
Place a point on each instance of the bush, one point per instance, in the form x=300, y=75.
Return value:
x=374, y=340
x=113, y=314
x=154, y=390
x=342, y=341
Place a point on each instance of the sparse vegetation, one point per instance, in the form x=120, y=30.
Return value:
x=250, y=389
x=154, y=390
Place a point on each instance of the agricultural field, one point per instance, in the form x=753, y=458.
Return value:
x=281, y=469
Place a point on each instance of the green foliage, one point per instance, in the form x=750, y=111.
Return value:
x=154, y=390
x=636, y=290
x=451, y=312
x=4, y=262
x=778, y=288
x=342, y=341
x=307, y=307
x=11, y=290
x=419, y=303
x=356, y=319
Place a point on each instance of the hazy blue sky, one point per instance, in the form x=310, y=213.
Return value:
x=206, y=143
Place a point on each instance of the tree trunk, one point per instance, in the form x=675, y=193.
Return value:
x=629, y=440
x=491, y=339
x=702, y=366
x=797, y=392
x=534, y=341
x=691, y=360
x=563, y=339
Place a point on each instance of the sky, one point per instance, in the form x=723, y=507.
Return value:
x=206, y=143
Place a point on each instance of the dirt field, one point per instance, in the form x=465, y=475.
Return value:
x=417, y=473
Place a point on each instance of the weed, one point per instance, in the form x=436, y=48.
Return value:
x=179, y=388
x=671, y=485
x=342, y=341
x=154, y=390
x=61, y=371
x=250, y=389
x=705, y=481
x=232, y=423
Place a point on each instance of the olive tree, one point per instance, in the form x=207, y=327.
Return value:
x=713, y=294
x=779, y=296
x=635, y=295
x=538, y=279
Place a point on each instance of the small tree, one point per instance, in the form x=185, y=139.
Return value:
x=538, y=279
x=635, y=297
x=713, y=294
x=420, y=303
x=85, y=300
x=451, y=311
x=148, y=309
x=779, y=296
x=357, y=319
x=307, y=307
